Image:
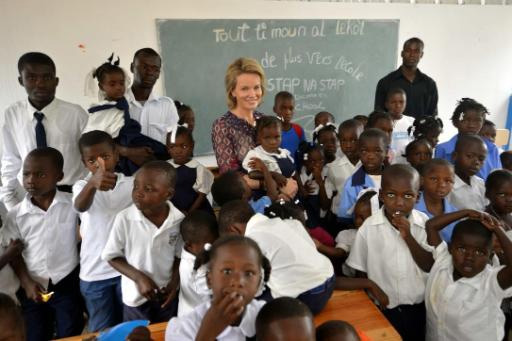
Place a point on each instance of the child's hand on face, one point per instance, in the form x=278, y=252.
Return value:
x=14, y=249
x=102, y=179
x=257, y=165
x=146, y=286
x=402, y=224
x=223, y=312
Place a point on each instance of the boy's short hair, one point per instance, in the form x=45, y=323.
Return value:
x=433, y=163
x=198, y=226
x=401, y=171
x=414, y=40
x=395, y=91
x=147, y=51
x=279, y=309
x=35, y=58
x=472, y=227
x=50, y=153
x=163, y=166
x=236, y=211
x=93, y=138
x=497, y=178
x=488, y=123
x=506, y=159
x=376, y=116
x=227, y=187
x=283, y=95
x=373, y=133
x=335, y=327
x=348, y=124
x=464, y=140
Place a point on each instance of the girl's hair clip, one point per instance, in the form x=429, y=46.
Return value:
x=173, y=129
x=281, y=201
x=207, y=247
x=272, y=213
x=296, y=202
x=305, y=157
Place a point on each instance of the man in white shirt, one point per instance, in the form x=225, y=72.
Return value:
x=40, y=120
x=154, y=113
x=298, y=269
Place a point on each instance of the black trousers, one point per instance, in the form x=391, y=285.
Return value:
x=408, y=320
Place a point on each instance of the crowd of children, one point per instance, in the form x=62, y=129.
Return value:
x=380, y=205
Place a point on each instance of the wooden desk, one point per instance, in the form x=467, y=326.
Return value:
x=352, y=306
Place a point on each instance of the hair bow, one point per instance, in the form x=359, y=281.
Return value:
x=173, y=129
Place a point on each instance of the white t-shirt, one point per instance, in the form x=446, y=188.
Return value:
x=338, y=172
x=381, y=252
x=96, y=224
x=193, y=288
x=400, y=138
x=344, y=240
x=146, y=247
x=464, y=196
x=49, y=237
x=466, y=309
x=185, y=328
x=297, y=266
x=267, y=158
x=155, y=115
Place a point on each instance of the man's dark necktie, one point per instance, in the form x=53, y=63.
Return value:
x=40, y=132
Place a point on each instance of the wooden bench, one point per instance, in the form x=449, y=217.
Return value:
x=352, y=306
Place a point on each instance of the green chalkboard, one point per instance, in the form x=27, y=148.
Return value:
x=329, y=65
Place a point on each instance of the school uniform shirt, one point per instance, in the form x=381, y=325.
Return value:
x=446, y=233
x=155, y=115
x=9, y=282
x=344, y=240
x=492, y=161
x=358, y=181
x=381, y=252
x=297, y=266
x=185, y=328
x=271, y=160
x=400, y=138
x=312, y=201
x=192, y=178
x=146, y=247
x=466, y=309
x=193, y=288
x=96, y=224
x=49, y=237
x=471, y=196
x=63, y=123
x=109, y=120
x=338, y=172
x=291, y=138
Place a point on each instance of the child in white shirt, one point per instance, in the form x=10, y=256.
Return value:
x=464, y=292
x=199, y=230
x=381, y=250
x=237, y=272
x=468, y=189
x=145, y=244
x=45, y=222
x=99, y=198
x=299, y=269
x=395, y=104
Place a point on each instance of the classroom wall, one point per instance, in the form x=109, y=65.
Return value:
x=468, y=48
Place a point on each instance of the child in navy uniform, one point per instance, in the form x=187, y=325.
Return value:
x=48, y=269
x=194, y=181
x=113, y=116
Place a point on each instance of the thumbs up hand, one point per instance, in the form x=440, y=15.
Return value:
x=103, y=179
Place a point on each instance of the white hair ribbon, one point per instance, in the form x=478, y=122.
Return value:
x=173, y=129
x=207, y=246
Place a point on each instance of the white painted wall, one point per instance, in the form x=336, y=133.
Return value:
x=468, y=48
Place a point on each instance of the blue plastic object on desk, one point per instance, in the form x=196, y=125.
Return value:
x=122, y=330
